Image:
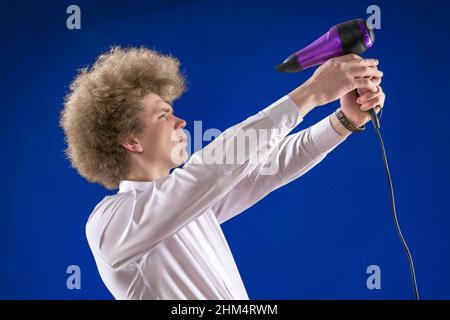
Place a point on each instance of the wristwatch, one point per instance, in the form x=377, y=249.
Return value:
x=346, y=123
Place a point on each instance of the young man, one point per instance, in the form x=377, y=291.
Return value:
x=160, y=237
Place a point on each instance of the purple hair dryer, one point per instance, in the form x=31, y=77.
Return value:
x=348, y=37
x=353, y=36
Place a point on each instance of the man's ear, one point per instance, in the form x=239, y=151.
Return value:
x=132, y=145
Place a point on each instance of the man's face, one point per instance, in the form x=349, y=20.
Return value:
x=163, y=140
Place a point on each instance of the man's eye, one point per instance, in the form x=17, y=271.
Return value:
x=164, y=115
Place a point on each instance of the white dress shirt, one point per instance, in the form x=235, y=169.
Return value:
x=162, y=239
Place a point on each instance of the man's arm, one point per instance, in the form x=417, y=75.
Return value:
x=133, y=223
x=294, y=156
x=130, y=225
x=298, y=153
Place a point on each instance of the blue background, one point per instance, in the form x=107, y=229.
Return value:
x=312, y=239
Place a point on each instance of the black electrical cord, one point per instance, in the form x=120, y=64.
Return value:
x=394, y=211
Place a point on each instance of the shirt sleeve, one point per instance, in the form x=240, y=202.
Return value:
x=294, y=156
x=131, y=224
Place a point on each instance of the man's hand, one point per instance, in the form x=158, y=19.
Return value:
x=334, y=79
x=354, y=106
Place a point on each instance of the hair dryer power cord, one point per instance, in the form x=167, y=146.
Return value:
x=394, y=211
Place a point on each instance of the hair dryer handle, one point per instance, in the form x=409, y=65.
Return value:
x=373, y=115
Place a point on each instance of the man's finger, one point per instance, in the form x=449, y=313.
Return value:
x=364, y=83
x=369, y=95
x=363, y=62
x=349, y=57
x=377, y=101
x=376, y=80
x=363, y=72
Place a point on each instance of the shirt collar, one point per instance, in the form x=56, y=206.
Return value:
x=128, y=185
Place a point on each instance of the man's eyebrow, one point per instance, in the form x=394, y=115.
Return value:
x=166, y=109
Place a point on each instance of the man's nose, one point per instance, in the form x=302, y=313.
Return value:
x=179, y=123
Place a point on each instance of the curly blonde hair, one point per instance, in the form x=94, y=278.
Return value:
x=104, y=104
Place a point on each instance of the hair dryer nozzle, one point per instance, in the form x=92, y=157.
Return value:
x=289, y=65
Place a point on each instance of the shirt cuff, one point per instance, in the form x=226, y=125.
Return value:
x=324, y=136
x=285, y=115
